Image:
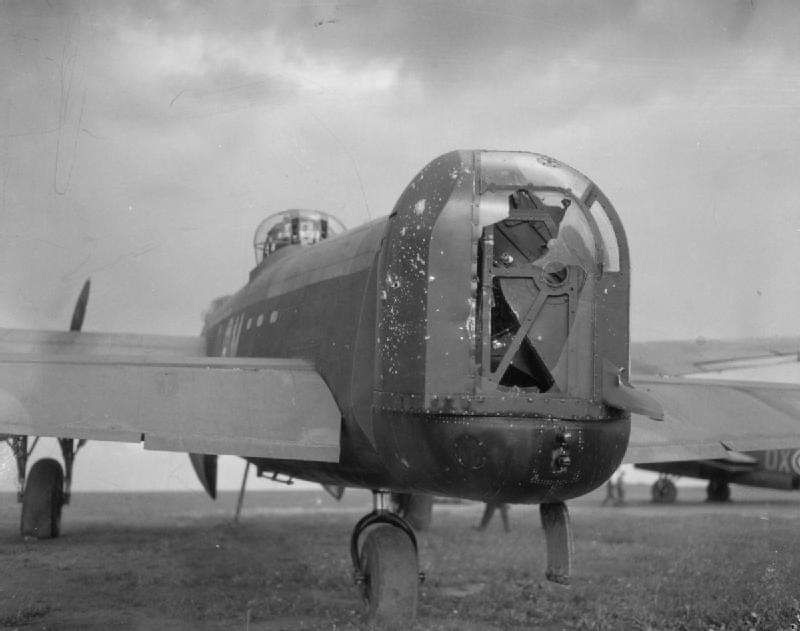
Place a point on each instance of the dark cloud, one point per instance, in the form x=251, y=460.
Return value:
x=180, y=125
x=620, y=53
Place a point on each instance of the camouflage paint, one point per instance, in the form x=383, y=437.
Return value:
x=389, y=315
x=404, y=277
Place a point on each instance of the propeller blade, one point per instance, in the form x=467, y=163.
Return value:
x=205, y=466
x=80, y=307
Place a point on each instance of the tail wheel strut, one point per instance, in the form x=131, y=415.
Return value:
x=558, y=534
x=69, y=450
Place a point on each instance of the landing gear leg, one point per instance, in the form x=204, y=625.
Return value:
x=45, y=489
x=415, y=508
x=69, y=451
x=386, y=566
x=558, y=533
x=663, y=491
x=19, y=447
x=718, y=491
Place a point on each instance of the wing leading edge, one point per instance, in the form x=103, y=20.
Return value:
x=65, y=385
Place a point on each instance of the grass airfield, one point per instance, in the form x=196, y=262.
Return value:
x=177, y=561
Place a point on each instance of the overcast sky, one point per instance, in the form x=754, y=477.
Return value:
x=141, y=145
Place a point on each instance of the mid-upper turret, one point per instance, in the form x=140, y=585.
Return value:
x=294, y=226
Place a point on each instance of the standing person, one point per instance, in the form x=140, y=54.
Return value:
x=611, y=493
x=488, y=512
x=620, y=488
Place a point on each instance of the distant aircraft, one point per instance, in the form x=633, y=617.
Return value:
x=777, y=468
x=772, y=469
x=474, y=343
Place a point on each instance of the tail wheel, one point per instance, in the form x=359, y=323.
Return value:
x=42, y=500
x=391, y=577
x=664, y=491
x=718, y=491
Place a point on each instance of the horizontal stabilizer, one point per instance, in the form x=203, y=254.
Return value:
x=275, y=408
x=706, y=419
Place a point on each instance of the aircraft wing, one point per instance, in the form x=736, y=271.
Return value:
x=733, y=464
x=671, y=359
x=708, y=415
x=163, y=391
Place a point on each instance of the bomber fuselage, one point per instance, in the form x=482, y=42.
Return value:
x=465, y=337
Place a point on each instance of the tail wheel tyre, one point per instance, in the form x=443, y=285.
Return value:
x=718, y=491
x=664, y=491
x=391, y=578
x=42, y=500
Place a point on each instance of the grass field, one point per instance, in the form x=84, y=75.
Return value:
x=177, y=561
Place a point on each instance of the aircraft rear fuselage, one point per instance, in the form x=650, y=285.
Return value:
x=466, y=337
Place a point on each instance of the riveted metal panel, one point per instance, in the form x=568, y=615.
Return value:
x=404, y=276
x=452, y=285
